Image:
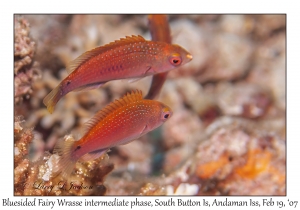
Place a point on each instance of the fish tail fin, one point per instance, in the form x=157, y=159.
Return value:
x=52, y=98
x=66, y=163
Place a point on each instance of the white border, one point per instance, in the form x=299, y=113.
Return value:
x=153, y=6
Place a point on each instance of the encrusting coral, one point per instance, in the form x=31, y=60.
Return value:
x=26, y=70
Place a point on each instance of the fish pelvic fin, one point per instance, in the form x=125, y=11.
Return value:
x=66, y=163
x=89, y=87
x=93, y=155
x=52, y=98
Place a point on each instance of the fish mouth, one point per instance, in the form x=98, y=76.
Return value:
x=189, y=56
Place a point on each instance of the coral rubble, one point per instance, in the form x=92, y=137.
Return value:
x=26, y=70
x=35, y=177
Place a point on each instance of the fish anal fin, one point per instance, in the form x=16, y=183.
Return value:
x=98, y=50
x=89, y=86
x=93, y=155
x=129, y=98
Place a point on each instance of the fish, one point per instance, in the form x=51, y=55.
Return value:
x=119, y=123
x=160, y=31
x=127, y=58
x=159, y=28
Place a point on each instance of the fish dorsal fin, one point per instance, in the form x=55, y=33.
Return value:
x=98, y=50
x=129, y=98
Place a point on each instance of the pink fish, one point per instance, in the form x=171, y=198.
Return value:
x=131, y=57
x=120, y=122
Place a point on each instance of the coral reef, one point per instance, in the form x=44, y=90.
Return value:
x=228, y=130
x=35, y=177
x=236, y=158
x=26, y=70
x=241, y=153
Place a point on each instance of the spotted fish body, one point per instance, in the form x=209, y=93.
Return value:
x=118, y=123
x=160, y=31
x=130, y=57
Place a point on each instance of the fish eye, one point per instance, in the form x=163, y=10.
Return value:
x=175, y=59
x=166, y=114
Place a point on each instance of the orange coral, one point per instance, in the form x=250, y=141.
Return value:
x=258, y=161
x=207, y=170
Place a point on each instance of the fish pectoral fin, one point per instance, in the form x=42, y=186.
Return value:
x=148, y=69
x=90, y=86
x=141, y=133
x=144, y=130
x=93, y=155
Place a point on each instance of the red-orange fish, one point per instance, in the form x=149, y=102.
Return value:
x=160, y=31
x=118, y=123
x=159, y=28
x=130, y=57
